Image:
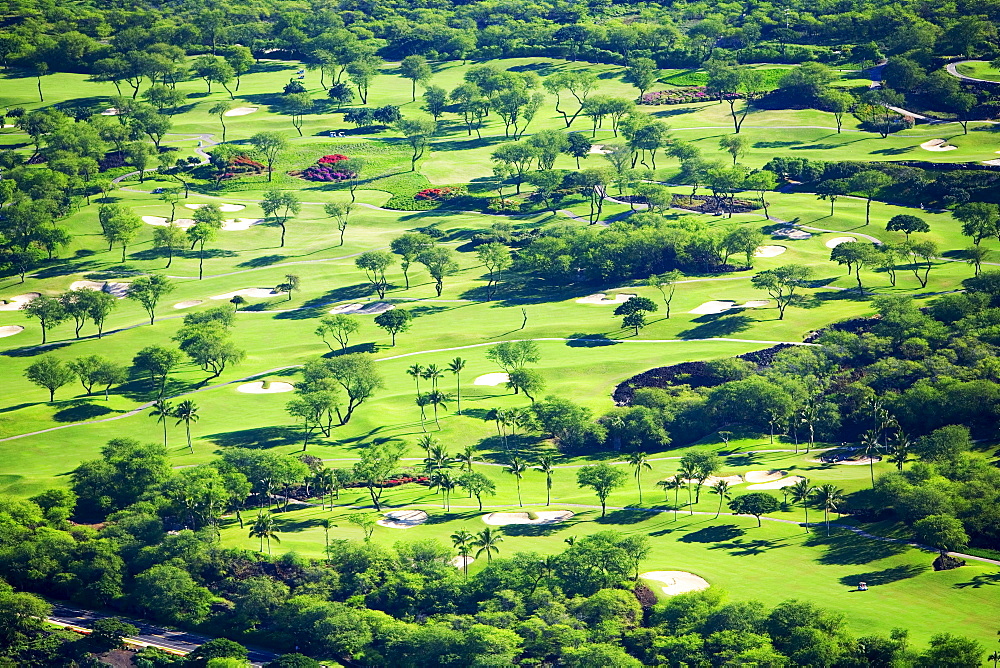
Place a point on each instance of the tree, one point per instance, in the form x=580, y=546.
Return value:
x=48, y=310
x=488, y=540
x=282, y=205
x=514, y=354
x=416, y=69
x=456, y=366
x=340, y=213
x=462, y=541
x=417, y=133
x=94, y=370
x=943, y=444
x=754, y=503
x=49, y=372
x=639, y=462
x=297, y=105
x=546, y=465
x=477, y=485
x=157, y=362
x=340, y=327
x=440, y=262
x=269, y=145
x=187, y=412
x=721, y=488
x=148, y=290
x=641, y=73
x=264, y=528
x=856, y=255
x=395, y=321
x=923, y=254
x=976, y=255
x=524, y=380
x=882, y=104
x=838, y=103
x=579, y=146
x=831, y=189
x=517, y=158
x=109, y=632
x=942, y=532
x=409, y=246
x=374, y=264
x=169, y=238
x=801, y=493
x=162, y=410
x=362, y=72
x=364, y=521
x=377, y=463
x=979, y=220
x=828, y=496
x=214, y=69
x=217, y=649
x=735, y=145
x=603, y=479
x=517, y=468
x=200, y=234
x=869, y=183
x=496, y=257
x=435, y=102
x=355, y=373
x=121, y=228
x=781, y=284
x=951, y=651
x=907, y=224
x=634, y=310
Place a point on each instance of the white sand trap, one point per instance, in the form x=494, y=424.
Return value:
x=460, y=562
x=274, y=387
x=364, y=309
x=491, y=379
x=731, y=479
x=188, y=303
x=160, y=221
x=836, y=241
x=542, y=517
x=778, y=484
x=110, y=111
x=240, y=111
x=764, y=476
x=601, y=298
x=254, y=293
x=224, y=208
x=598, y=149
x=677, y=582
x=864, y=461
x=769, y=251
x=403, y=519
x=17, y=301
x=239, y=224
x=712, y=307
x=937, y=145
x=10, y=330
x=117, y=289
x=756, y=303
x=792, y=233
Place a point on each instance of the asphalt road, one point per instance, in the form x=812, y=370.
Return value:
x=154, y=636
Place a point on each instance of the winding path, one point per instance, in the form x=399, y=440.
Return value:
x=952, y=69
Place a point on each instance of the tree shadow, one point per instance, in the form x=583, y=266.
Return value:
x=579, y=340
x=715, y=325
x=625, y=516
x=713, y=534
x=978, y=581
x=259, y=438
x=81, y=410
x=845, y=548
x=884, y=576
x=262, y=261
x=36, y=349
x=748, y=548
x=537, y=530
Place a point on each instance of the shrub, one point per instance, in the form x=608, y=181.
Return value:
x=331, y=159
x=439, y=194
x=502, y=205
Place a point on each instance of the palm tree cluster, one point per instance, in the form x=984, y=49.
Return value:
x=436, y=398
x=186, y=412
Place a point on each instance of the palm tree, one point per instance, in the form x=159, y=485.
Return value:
x=423, y=400
x=995, y=658
x=672, y=483
x=488, y=541
x=437, y=398
x=187, y=412
x=456, y=366
x=466, y=458
x=900, y=453
x=639, y=461
x=517, y=468
x=264, y=528
x=462, y=541
x=442, y=480
x=327, y=525
x=162, y=411
x=433, y=374
x=801, y=491
x=415, y=372
x=427, y=442
x=870, y=444
x=687, y=473
x=721, y=487
x=545, y=466
x=437, y=458
x=828, y=496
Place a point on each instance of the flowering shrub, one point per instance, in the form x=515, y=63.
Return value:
x=332, y=159
x=438, y=194
x=327, y=173
x=397, y=481
x=504, y=205
x=243, y=164
x=682, y=96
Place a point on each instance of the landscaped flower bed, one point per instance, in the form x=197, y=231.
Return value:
x=682, y=96
x=327, y=169
x=397, y=481
x=331, y=159
x=439, y=194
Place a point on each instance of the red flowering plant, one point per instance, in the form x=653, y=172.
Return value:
x=331, y=159
x=438, y=194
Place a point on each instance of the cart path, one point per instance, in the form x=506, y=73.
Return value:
x=952, y=69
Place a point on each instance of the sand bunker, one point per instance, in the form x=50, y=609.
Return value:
x=712, y=479
x=777, y=484
x=712, y=307
x=17, y=301
x=601, y=298
x=160, y=221
x=110, y=111
x=864, y=461
x=254, y=293
x=363, y=309
x=240, y=111
x=274, y=387
x=599, y=149
x=239, y=224
x=769, y=251
x=937, y=145
x=460, y=562
x=117, y=289
x=541, y=517
x=836, y=241
x=10, y=330
x=491, y=379
x=403, y=519
x=792, y=233
x=764, y=476
x=224, y=208
x=677, y=582
x=189, y=303
x=756, y=303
